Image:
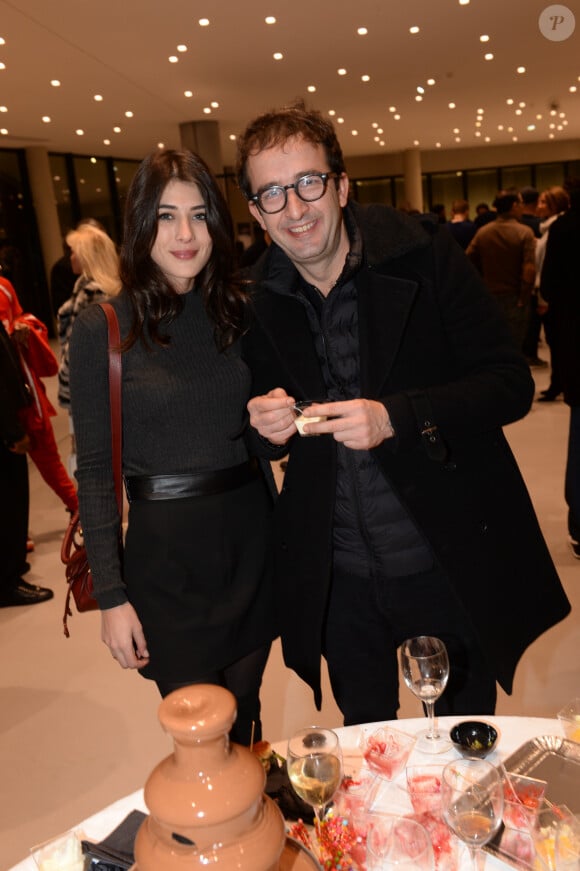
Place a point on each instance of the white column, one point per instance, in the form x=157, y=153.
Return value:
x=44, y=206
x=412, y=174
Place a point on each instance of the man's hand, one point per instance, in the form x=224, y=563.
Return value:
x=272, y=416
x=360, y=424
x=122, y=632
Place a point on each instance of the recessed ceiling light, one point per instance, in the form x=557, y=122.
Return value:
x=341, y=71
x=203, y=22
x=478, y=132
x=46, y=119
x=531, y=127
x=80, y=132
x=514, y=138
x=430, y=81
x=509, y=101
x=456, y=129
x=55, y=83
x=106, y=141
x=98, y=98
x=392, y=109
x=233, y=137
x=380, y=131
x=93, y=159
x=116, y=129
x=452, y=105
x=420, y=90
x=538, y=117
x=572, y=89
x=565, y=122
x=332, y=112
x=3, y=108
x=487, y=139
x=488, y=56
x=362, y=31
x=521, y=70
x=173, y=59
x=397, y=117
x=128, y=114
x=277, y=55
x=522, y=105
x=478, y=123
x=4, y=131
x=518, y=112
x=188, y=93
x=552, y=126
x=374, y=125
x=464, y=2
x=500, y=126
x=415, y=142
x=269, y=20
x=162, y=144
x=214, y=104
x=550, y=135
x=562, y=114
x=458, y=138
x=414, y=29
x=418, y=98
x=381, y=142
x=340, y=120
x=510, y=129
x=376, y=138
x=312, y=89
x=484, y=37
x=207, y=110
x=437, y=145
x=480, y=111
x=365, y=78
x=354, y=132
x=182, y=48
x=2, y=40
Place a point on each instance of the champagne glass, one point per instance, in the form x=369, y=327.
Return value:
x=314, y=764
x=397, y=844
x=425, y=668
x=472, y=800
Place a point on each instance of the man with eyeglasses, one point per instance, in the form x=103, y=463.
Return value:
x=407, y=515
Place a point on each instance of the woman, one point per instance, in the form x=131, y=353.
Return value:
x=190, y=601
x=551, y=204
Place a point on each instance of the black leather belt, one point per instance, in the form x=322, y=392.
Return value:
x=183, y=486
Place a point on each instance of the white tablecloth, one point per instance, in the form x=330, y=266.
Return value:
x=513, y=732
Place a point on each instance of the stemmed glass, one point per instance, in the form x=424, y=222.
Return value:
x=314, y=764
x=472, y=801
x=425, y=668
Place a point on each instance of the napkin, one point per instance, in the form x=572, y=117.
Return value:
x=115, y=852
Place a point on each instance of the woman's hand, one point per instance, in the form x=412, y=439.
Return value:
x=272, y=416
x=122, y=632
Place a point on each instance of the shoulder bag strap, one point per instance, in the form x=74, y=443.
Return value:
x=114, y=350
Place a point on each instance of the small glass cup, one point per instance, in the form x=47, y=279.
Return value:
x=355, y=794
x=550, y=817
x=64, y=853
x=523, y=798
x=569, y=718
x=302, y=418
x=424, y=788
x=397, y=843
x=386, y=751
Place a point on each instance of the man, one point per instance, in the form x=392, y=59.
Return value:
x=529, y=211
x=560, y=286
x=406, y=515
x=461, y=228
x=504, y=253
x=14, y=590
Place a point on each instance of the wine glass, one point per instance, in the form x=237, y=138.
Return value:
x=425, y=668
x=314, y=764
x=472, y=801
x=397, y=844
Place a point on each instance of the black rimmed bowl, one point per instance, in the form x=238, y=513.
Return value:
x=473, y=738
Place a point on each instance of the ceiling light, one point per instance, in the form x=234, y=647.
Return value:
x=214, y=104
x=2, y=40
x=188, y=93
x=116, y=129
x=340, y=120
x=565, y=123
x=106, y=141
x=162, y=144
x=392, y=109
x=452, y=105
x=380, y=130
x=173, y=59
x=4, y=131
x=522, y=105
x=500, y=126
x=572, y=89
x=203, y=22
x=521, y=70
x=414, y=29
x=552, y=126
x=277, y=55
x=418, y=98
x=484, y=37
x=128, y=114
x=420, y=90
x=510, y=129
x=464, y=2
x=456, y=129
x=3, y=108
x=331, y=112
x=354, y=132
x=397, y=117
x=93, y=159
x=269, y=20
x=415, y=142
x=518, y=112
x=46, y=119
x=562, y=114
x=181, y=48
x=365, y=78
x=478, y=123
x=559, y=127
x=437, y=145
x=550, y=135
x=430, y=81
x=458, y=138
x=55, y=83
x=488, y=139
x=374, y=125
x=232, y=137
x=538, y=117
x=376, y=138
x=80, y=132
x=381, y=142
x=341, y=71
x=480, y=111
x=478, y=132
x=509, y=101
x=312, y=89
x=207, y=110
x=531, y=127
x=362, y=31
x=488, y=56
x=98, y=98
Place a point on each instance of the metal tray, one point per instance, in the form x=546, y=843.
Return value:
x=548, y=758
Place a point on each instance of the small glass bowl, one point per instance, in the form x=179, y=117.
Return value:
x=569, y=717
x=523, y=798
x=386, y=751
x=424, y=788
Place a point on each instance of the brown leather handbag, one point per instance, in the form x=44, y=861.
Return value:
x=73, y=552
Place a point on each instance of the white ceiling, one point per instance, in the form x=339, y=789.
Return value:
x=120, y=49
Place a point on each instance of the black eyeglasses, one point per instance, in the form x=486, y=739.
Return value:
x=309, y=188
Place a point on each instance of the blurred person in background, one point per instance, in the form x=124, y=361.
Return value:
x=461, y=228
x=560, y=286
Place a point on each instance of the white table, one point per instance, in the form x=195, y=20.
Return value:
x=513, y=732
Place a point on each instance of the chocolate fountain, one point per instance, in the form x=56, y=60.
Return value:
x=206, y=802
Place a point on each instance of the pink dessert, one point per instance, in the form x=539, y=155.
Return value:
x=387, y=751
x=444, y=842
x=425, y=793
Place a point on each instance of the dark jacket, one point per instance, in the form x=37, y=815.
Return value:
x=561, y=288
x=435, y=350
x=13, y=394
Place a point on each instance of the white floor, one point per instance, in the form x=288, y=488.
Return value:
x=77, y=732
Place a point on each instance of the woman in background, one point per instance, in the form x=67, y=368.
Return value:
x=95, y=260
x=190, y=601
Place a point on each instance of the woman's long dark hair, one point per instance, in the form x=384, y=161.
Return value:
x=153, y=299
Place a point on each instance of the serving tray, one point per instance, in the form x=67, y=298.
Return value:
x=549, y=758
